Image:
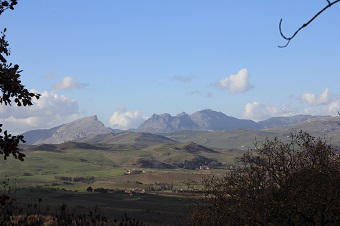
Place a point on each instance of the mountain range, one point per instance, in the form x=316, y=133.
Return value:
x=205, y=120
x=200, y=120
x=212, y=120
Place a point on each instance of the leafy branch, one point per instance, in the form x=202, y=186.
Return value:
x=11, y=89
x=4, y=5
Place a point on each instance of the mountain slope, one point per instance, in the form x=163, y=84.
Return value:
x=140, y=138
x=68, y=132
x=321, y=126
x=285, y=121
x=212, y=120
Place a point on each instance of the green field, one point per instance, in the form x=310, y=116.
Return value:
x=39, y=177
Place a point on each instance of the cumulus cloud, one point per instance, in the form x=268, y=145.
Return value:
x=125, y=120
x=49, y=111
x=331, y=108
x=68, y=83
x=238, y=83
x=312, y=99
x=184, y=79
x=257, y=111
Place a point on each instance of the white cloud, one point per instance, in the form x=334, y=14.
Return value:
x=333, y=108
x=238, y=83
x=125, y=120
x=312, y=99
x=68, y=83
x=257, y=111
x=49, y=111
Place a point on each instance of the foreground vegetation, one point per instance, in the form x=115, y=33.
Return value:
x=280, y=183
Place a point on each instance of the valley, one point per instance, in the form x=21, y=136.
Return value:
x=144, y=174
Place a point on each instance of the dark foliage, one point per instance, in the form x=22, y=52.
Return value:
x=11, y=89
x=279, y=183
x=88, y=180
x=89, y=189
x=198, y=161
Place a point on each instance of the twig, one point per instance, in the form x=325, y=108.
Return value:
x=330, y=4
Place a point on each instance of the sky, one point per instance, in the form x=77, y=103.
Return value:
x=126, y=60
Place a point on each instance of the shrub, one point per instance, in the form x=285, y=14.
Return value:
x=279, y=183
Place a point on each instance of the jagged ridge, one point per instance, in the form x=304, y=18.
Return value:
x=200, y=120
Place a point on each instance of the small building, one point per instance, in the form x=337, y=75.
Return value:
x=134, y=171
x=204, y=167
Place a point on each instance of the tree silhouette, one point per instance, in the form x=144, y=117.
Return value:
x=12, y=89
x=329, y=4
x=279, y=183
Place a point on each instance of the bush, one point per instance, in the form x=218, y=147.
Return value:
x=279, y=183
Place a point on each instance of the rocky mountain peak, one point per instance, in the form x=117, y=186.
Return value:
x=200, y=120
x=74, y=130
x=182, y=114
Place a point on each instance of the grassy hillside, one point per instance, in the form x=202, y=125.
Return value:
x=140, y=139
x=326, y=127
x=224, y=140
x=44, y=164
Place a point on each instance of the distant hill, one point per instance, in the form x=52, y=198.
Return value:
x=321, y=126
x=285, y=121
x=62, y=147
x=325, y=127
x=68, y=132
x=200, y=120
x=140, y=138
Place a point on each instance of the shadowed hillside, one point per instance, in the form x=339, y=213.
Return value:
x=138, y=138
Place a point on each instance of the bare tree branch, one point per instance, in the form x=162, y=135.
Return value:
x=330, y=4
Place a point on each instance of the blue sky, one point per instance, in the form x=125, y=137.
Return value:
x=125, y=60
